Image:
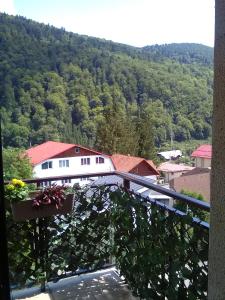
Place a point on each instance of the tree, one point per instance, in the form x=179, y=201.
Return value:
x=145, y=136
x=16, y=164
x=115, y=132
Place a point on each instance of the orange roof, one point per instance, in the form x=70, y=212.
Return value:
x=204, y=151
x=125, y=163
x=50, y=149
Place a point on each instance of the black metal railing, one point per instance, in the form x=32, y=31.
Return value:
x=161, y=251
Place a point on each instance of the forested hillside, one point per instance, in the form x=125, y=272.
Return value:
x=57, y=85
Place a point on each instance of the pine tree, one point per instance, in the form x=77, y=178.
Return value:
x=116, y=133
x=145, y=136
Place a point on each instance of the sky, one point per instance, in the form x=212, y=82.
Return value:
x=133, y=22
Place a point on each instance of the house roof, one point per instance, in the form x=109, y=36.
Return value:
x=50, y=149
x=170, y=167
x=197, y=171
x=204, y=151
x=170, y=154
x=125, y=163
x=197, y=180
x=116, y=180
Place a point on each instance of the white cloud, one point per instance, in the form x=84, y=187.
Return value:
x=7, y=6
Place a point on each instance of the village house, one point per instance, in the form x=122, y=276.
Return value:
x=135, y=165
x=170, y=170
x=202, y=156
x=57, y=159
x=170, y=155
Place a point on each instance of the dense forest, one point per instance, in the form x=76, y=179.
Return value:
x=58, y=85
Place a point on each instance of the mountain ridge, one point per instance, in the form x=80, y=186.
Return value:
x=53, y=81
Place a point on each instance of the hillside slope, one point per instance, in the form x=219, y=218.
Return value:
x=56, y=84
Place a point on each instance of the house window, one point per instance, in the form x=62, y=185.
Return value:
x=84, y=179
x=77, y=150
x=64, y=163
x=46, y=165
x=45, y=184
x=65, y=181
x=85, y=161
x=100, y=160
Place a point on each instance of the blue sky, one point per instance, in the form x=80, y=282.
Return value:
x=133, y=22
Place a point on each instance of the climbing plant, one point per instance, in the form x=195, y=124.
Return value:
x=162, y=252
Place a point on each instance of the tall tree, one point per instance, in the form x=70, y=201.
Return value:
x=116, y=133
x=145, y=136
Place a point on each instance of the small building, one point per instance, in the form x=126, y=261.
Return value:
x=170, y=155
x=170, y=170
x=196, y=180
x=135, y=165
x=202, y=156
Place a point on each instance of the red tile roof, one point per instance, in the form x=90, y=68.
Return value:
x=50, y=149
x=125, y=163
x=204, y=151
x=170, y=167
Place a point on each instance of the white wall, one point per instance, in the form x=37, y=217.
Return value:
x=202, y=162
x=74, y=168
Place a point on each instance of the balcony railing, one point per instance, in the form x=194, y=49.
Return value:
x=161, y=251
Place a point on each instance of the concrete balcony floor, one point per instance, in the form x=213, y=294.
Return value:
x=101, y=285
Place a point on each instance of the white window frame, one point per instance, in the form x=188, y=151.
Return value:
x=47, y=165
x=85, y=161
x=45, y=184
x=66, y=181
x=77, y=150
x=84, y=179
x=100, y=160
x=64, y=163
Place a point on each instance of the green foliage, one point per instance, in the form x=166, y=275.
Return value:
x=16, y=191
x=158, y=251
x=145, y=137
x=116, y=133
x=16, y=164
x=58, y=86
x=193, y=211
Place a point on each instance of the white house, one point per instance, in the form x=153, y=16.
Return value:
x=57, y=159
x=52, y=159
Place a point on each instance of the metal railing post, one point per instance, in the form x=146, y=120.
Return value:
x=126, y=184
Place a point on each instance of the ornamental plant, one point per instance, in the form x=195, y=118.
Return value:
x=52, y=195
x=16, y=191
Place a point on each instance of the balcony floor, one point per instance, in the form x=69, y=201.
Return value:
x=101, y=285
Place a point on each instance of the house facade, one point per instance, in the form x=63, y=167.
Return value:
x=57, y=159
x=202, y=156
x=52, y=159
x=197, y=181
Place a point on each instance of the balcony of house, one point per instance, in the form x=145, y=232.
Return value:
x=115, y=244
